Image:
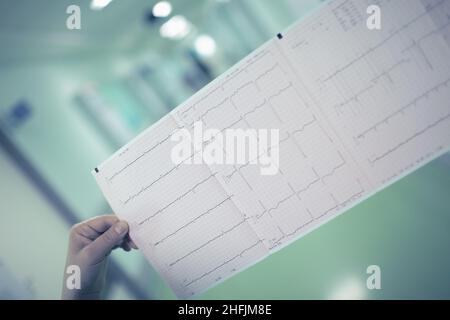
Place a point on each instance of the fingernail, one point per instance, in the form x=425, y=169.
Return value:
x=121, y=227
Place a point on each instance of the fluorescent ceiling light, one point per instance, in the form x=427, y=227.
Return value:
x=162, y=9
x=349, y=289
x=205, y=45
x=99, y=4
x=176, y=28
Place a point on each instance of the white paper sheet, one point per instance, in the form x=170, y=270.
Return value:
x=356, y=109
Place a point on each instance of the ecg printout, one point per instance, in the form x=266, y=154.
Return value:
x=356, y=109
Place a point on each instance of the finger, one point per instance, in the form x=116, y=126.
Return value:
x=102, y=246
x=117, y=245
x=121, y=243
x=132, y=244
x=102, y=223
x=94, y=227
x=125, y=247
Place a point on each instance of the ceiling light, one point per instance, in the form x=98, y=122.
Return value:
x=176, y=28
x=349, y=289
x=162, y=9
x=205, y=45
x=99, y=4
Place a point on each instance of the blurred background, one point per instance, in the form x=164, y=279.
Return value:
x=70, y=98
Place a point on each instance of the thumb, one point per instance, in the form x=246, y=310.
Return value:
x=102, y=246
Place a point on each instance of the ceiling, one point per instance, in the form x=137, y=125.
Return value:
x=33, y=30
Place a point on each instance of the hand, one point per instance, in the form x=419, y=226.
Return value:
x=90, y=244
